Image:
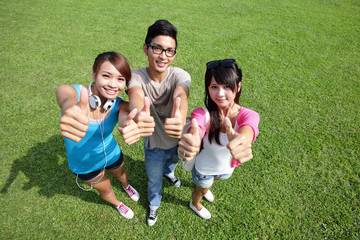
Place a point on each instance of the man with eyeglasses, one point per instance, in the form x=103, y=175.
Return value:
x=167, y=89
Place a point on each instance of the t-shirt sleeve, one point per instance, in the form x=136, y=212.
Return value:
x=250, y=118
x=182, y=77
x=200, y=116
x=135, y=80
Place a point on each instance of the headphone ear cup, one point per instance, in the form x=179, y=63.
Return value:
x=94, y=101
x=108, y=104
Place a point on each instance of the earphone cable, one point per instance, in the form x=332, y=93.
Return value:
x=102, y=129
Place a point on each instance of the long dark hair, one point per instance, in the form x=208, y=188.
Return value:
x=230, y=76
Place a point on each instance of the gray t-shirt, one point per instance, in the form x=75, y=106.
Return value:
x=161, y=101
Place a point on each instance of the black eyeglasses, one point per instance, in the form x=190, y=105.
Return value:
x=224, y=63
x=158, y=50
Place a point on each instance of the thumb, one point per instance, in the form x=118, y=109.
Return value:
x=194, y=127
x=146, y=106
x=130, y=117
x=176, y=108
x=231, y=134
x=84, y=99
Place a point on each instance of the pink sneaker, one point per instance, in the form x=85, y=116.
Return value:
x=125, y=211
x=133, y=194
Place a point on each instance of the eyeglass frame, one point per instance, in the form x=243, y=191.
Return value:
x=225, y=63
x=152, y=47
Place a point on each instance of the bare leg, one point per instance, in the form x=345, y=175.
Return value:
x=197, y=195
x=121, y=174
x=104, y=188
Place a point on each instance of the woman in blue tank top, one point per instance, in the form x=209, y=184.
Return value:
x=89, y=115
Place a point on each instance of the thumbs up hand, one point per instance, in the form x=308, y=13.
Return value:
x=239, y=146
x=144, y=121
x=129, y=129
x=230, y=132
x=189, y=143
x=174, y=125
x=74, y=121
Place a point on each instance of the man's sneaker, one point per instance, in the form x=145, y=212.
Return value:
x=125, y=211
x=204, y=213
x=175, y=181
x=151, y=220
x=133, y=194
x=209, y=196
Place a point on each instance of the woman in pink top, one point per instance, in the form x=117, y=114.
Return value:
x=226, y=136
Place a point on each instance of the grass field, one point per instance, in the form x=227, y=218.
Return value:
x=301, y=64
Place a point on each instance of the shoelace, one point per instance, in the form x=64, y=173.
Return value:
x=152, y=215
x=123, y=208
x=174, y=179
x=130, y=191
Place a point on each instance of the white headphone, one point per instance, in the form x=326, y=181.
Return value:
x=95, y=101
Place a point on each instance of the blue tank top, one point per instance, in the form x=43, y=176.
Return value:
x=88, y=155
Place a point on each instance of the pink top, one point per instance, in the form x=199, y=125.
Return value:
x=245, y=117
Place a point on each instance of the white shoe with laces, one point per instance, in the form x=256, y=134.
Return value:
x=152, y=217
x=175, y=181
x=133, y=194
x=125, y=211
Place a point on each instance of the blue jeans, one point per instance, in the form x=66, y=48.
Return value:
x=159, y=162
x=206, y=181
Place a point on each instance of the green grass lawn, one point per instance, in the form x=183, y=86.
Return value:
x=301, y=64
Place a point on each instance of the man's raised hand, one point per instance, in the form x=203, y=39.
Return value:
x=174, y=125
x=189, y=143
x=144, y=121
x=129, y=129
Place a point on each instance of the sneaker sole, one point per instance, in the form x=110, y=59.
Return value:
x=152, y=223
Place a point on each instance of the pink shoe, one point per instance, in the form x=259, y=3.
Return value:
x=125, y=211
x=133, y=194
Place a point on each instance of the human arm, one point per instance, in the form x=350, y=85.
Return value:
x=136, y=97
x=74, y=120
x=175, y=124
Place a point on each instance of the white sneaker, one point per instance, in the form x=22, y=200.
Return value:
x=209, y=196
x=125, y=211
x=133, y=194
x=152, y=217
x=204, y=213
x=175, y=181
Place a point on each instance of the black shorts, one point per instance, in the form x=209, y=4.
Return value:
x=91, y=175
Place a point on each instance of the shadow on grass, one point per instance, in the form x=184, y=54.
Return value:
x=46, y=167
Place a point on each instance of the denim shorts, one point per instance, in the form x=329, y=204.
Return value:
x=91, y=175
x=205, y=181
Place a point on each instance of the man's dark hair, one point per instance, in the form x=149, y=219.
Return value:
x=161, y=27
